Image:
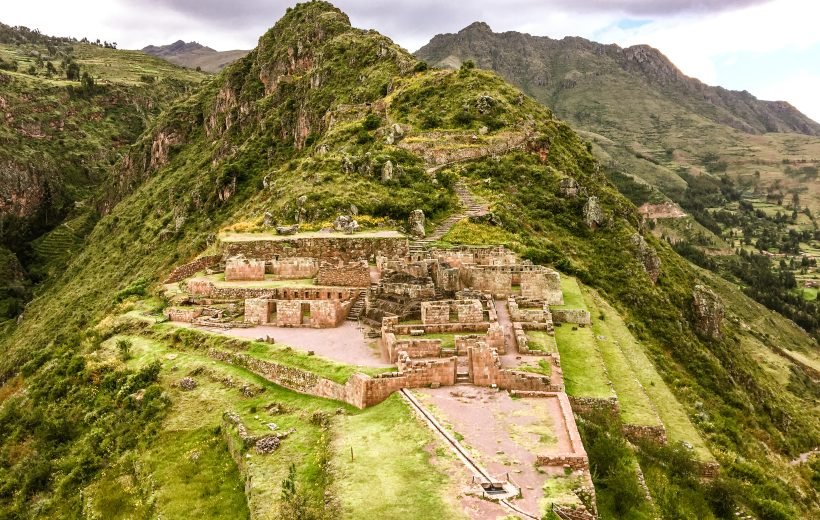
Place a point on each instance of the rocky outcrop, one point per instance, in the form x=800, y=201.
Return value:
x=593, y=214
x=345, y=224
x=708, y=312
x=416, y=224
x=647, y=256
x=569, y=188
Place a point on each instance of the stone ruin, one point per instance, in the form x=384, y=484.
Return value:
x=407, y=299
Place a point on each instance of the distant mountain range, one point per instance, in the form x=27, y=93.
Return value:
x=193, y=55
x=548, y=68
x=644, y=116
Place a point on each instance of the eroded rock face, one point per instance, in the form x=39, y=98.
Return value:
x=416, y=222
x=569, y=188
x=709, y=311
x=593, y=214
x=647, y=256
x=387, y=171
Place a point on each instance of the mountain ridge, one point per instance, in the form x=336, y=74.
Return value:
x=194, y=55
x=745, y=112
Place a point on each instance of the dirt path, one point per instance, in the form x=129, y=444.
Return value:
x=345, y=344
x=518, y=431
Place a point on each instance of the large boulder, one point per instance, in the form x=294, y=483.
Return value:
x=287, y=230
x=416, y=223
x=345, y=224
x=593, y=214
x=708, y=311
x=647, y=256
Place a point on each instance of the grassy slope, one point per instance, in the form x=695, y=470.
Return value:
x=217, y=177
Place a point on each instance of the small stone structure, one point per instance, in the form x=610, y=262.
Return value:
x=461, y=311
x=239, y=268
x=296, y=313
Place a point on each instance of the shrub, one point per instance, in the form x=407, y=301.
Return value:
x=124, y=348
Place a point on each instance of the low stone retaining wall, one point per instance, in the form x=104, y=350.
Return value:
x=635, y=432
x=443, y=328
x=587, y=404
x=191, y=268
x=334, y=247
x=576, y=316
x=563, y=459
x=567, y=513
x=183, y=315
x=360, y=390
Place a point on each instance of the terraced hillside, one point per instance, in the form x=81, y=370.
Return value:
x=309, y=126
x=61, y=133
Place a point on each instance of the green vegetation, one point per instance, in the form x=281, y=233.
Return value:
x=448, y=340
x=255, y=140
x=584, y=371
x=541, y=341
x=471, y=233
x=407, y=485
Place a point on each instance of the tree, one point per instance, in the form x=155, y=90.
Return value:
x=50, y=70
x=72, y=72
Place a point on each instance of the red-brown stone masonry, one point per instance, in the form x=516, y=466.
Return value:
x=191, y=268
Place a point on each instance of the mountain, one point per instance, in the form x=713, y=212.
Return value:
x=646, y=116
x=108, y=411
x=193, y=55
x=740, y=173
x=60, y=137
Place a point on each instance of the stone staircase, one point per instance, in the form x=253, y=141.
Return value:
x=471, y=207
x=357, y=307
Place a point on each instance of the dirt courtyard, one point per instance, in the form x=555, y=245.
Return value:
x=505, y=435
x=345, y=344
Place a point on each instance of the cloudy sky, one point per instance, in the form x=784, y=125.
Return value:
x=768, y=47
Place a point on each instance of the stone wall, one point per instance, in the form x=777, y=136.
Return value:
x=497, y=283
x=485, y=370
x=544, y=285
x=414, y=348
x=576, y=316
x=344, y=248
x=294, y=268
x=443, y=328
x=183, y=314
x=445, y=311
x=244, y=269
x=205, y=288
x=587, y=404
x=354, y=274
x=635, y=432
x=257, y=311
x=191, y=268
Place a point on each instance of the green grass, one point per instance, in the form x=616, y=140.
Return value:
x=583, y=368
x=448, y=340
x=541, y=341
x=471, y=233
x=635, y=405
x=391, y=475
x=543, y=367
x=674, y=417
x=573, y=299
